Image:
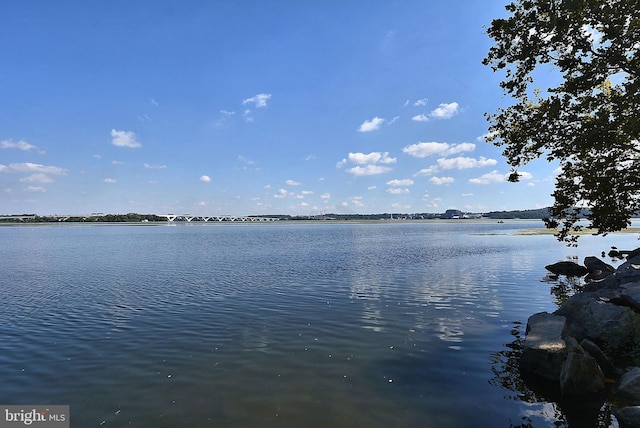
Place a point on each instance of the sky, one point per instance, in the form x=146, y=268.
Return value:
x=253, y=108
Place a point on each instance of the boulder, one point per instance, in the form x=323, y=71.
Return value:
x=628, y=417
x=631, y=289
x=567, y=268
x=629, y=386
x=544, y=350
x=580, y=375
x=598, y=270
x=629, y=271
x=593, y=284
x=608, y=369
x=591, y=315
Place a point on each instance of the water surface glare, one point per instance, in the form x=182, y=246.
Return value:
x=271, y=325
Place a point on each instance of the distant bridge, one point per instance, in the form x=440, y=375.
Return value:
x=18, y=217
x=170, y=217
x=189, y=218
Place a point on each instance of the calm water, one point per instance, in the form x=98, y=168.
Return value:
x=275, y=325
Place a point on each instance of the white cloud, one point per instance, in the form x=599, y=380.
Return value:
x=491, y=177
x=124, y=139
x=397, y=183
x=20, y=145
x=397, y=190
x=425, y=149
x=420, y=118
x=368, y=163
x=148, y=166
x=37, y=178
x=36, y=189
x=325, y=197
x=227, y=113
x=445, y=111
x=372, y=187
x=259, y=100
x=427, y=171
x=465, y=163
x=439, y=181
x=433, y=203
x=369, y=158
x=205, y=179
x=282, y=193
x=33, y=168
x=357, y=201
x=247, y=116
x=488, y=137
x=247, y=163
x=368, y=170
x=293, y=183
x=459, y=148
x=371, y=125
x=306, y=192
x=495, y=177
x=110, y=180
x=421, y=102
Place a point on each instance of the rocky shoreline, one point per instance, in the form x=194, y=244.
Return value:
x=591, y=344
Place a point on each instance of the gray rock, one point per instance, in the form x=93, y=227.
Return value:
x=629, y=271
x=581, y=374
x=593, y=284
x=598, y=270
x=608, y=369
x=628, y=417
x=631, y=289
x=612, y=327
x=544, y=350
x=567, y=268
x=629, y=386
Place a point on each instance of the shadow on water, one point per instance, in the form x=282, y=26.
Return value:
x=542, y=399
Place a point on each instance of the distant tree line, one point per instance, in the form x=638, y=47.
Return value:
x=537, y=214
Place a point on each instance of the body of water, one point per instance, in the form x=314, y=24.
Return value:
x=276, y=325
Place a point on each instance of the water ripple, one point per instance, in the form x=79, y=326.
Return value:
x=265, y=325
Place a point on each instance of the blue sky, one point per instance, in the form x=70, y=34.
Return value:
x=252, y=107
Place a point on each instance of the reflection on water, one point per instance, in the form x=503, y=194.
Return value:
x=542, y=401
x=279, y=325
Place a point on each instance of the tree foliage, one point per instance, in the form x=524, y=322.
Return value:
x=590, y=121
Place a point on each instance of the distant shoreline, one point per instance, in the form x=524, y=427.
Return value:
x=583, y=232
x=283, y=221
